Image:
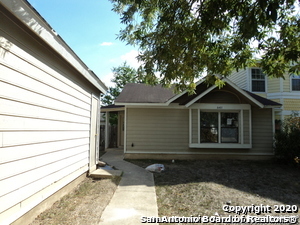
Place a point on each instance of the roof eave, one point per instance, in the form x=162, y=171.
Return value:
x=259, y=104
x=272, y=106
x=182, y=93
x=24, y=10
x=140, y=104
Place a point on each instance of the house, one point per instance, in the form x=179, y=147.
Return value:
x=213, y=123
x=285, y=91
x=49, y=114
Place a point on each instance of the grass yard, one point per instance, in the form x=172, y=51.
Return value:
x=83, y=206
x=193, y=188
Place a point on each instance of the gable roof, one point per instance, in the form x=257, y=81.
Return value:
x=142, y=94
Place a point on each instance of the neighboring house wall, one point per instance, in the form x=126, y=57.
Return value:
x=45, y=120
x=277, y=89
x=273, y=85
x=240, y=78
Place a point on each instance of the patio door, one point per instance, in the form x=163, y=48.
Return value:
x=94, y=147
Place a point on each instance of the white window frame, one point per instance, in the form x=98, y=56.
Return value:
x=251, y=79
x=221, y=108
x=296, y=77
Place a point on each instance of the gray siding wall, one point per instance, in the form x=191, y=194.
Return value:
x=262, y=130
x=246, y=124
x=166, y=131
x=157, y=130
x=195, y=117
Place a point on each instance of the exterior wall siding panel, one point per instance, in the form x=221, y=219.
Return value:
x=262, y=130
x=246, y=125
x=292, y=104
x=167, y=130
x=45, y=121
x=239, y=78
x=195, y=117
x=273, y=85
x=167, y=133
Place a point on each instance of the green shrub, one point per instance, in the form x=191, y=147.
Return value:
x=287, y=140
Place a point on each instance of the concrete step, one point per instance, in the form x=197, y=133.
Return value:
x=103, y=174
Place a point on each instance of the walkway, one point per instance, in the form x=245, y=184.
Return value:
x=135, y=196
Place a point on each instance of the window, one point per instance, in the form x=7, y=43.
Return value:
x=214, y=123
x=209, y=127
x=258, y=80
x=229, y=127
x=220, y=126
x=295, y=82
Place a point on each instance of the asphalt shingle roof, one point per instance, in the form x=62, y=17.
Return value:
x=263, y=100
x=142, y=93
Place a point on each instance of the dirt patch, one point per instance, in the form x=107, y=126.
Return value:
x=203, y=187
x=83, y=206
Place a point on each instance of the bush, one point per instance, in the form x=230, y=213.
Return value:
x=287, y=140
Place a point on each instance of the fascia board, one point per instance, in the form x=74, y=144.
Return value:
x=200, y=96
x=33, y=20
x=113, y=109
x=182, y=93
x=244, y=93
x=141, y=104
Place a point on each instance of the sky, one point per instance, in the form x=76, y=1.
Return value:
x=90, y=28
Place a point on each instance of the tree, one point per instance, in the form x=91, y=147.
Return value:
x=122, y=75
x=184, y=39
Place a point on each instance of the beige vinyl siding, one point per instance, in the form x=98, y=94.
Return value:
x=157, y=130
x=44, y=122
x=239, y=78
x=262, y=131
x=195, y=116
x=291, y=104
x=246, y=134
x=286, y=84
x=165, y=131
x=273, y=85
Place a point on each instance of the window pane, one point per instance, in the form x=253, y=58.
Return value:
x=208, y=127
x=257, y=74
x=258, y=86
x=229, y=127
x=295, y=84
x=258, y=80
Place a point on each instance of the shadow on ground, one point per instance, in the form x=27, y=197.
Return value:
x=259, y=178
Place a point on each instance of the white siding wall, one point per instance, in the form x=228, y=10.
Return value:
x=44, y=125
